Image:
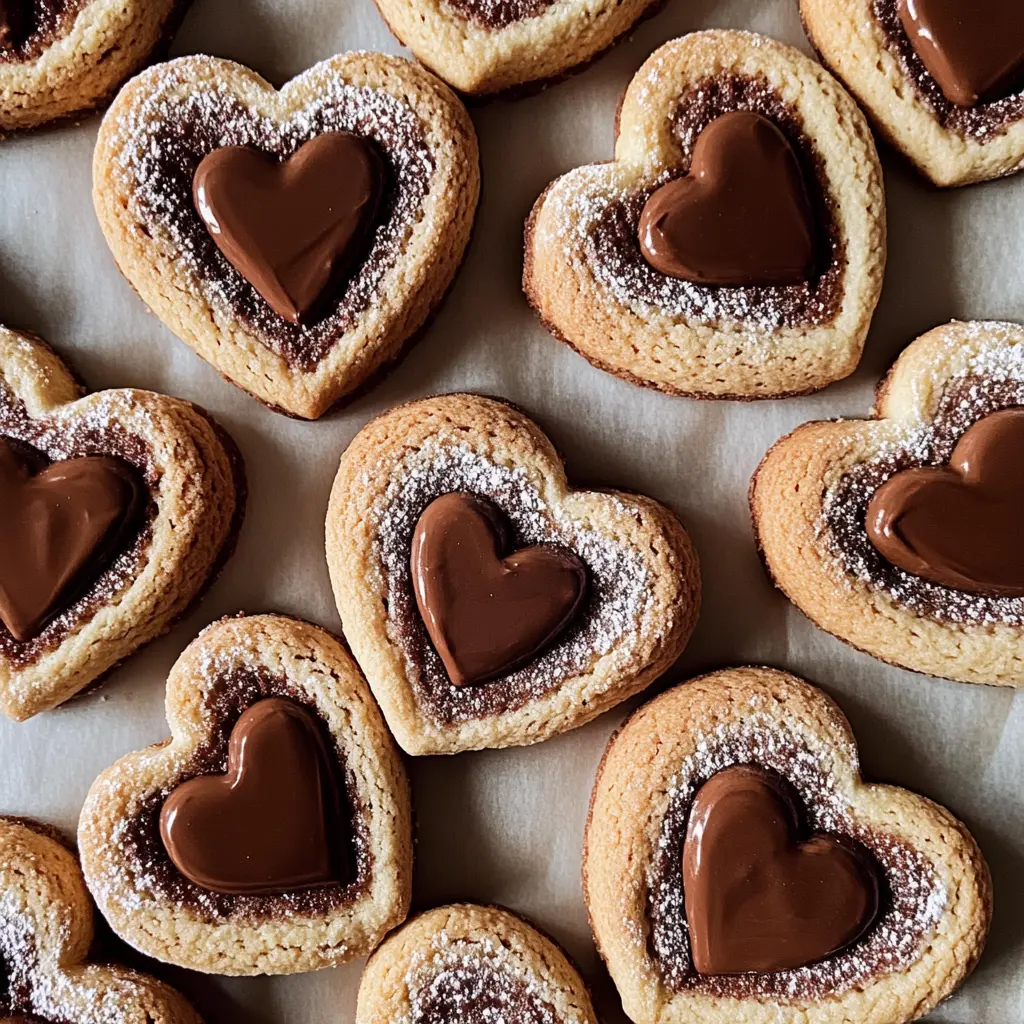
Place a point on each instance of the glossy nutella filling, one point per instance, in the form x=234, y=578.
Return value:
x=616, y=601
x=28, y=27
x=478, y=993
x=170, y=134
x=996, y=109
x=968, y=402
x=110, y=565
x=613, y=226
x=336, y=880
x=498, y=14
x=910, y=899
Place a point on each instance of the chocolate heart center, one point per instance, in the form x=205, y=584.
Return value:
x=59, y=527
x=291, y=227
x=741, y=217
x=269, y=825
x=758, y=899
x=959, y=526
x=488, y=609
x=974, y=49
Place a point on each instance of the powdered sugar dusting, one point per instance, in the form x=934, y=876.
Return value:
x=161, y=141
x=619, y=602
x=916, y=898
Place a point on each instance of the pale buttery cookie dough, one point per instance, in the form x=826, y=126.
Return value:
x=943, y=80
x=472, y=965
x=46, y=929
x=298, y=238
x=117, y=509
x=737, y=868
x=485, y=47
x=59, y=58
x=272, y=833
x=488, y=603
x=735, y=246
x=878, y=531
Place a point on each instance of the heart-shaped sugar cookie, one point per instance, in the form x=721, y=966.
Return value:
x=642, y=580
x=943, y=80
x=59, y=59
x=282, y=305
x=119, y=508
x=480, y=963
x=46, y=930
x=485, y=47
x=308, y=863
x=899, y=534
x=719, y=766
x=718, y=282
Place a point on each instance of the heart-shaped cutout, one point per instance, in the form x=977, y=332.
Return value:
x=60, y=526
x=741, y=217
x=488, y=609
x=269, y=825
x=959, y=526
x=974, y=50
x=758, y=899
x=290, y=227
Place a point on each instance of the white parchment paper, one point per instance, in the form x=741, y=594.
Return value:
x=507, y=826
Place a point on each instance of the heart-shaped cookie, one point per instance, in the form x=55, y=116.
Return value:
x=488, y=610
x=465, y=962
x=853, y=518
x=280, y=771
x=272, y=886
x=337, y=313
x=643, y=583
x=59, y=59
x=485, y=47
x=684, y=760
x=46, y=929
x=118, y=508
x=737, y=313
x=759, y=897
x=943, y=80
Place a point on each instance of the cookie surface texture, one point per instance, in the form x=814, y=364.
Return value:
x=67, y=57
x=866, y=44
x=143, y=177
x=171, y=537
x=934, y=916
x=811, y=496
x=484, y=47
x=46, y=929
x=472, y=964
x=589, y=281
x=643, y=581
x=236, y=669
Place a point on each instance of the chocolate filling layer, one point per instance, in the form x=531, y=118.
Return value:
x=965, y=401
x=37, y=25
x=474, y=992
x=617, y=597
x=95, y=434
x=614, y=250
x=912, y=897
x=156, y=878
x=496, y=14
x=981, y=122
x=168, y=134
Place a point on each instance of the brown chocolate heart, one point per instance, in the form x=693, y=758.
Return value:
x=269, y=825
x=289, y=228
x=758, y=899
x=959, y=526
x=488, y=609
x=741, y=217
x=59, y=525
x=974, y=49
